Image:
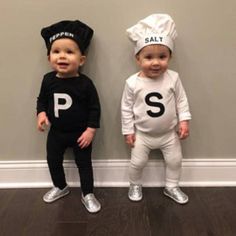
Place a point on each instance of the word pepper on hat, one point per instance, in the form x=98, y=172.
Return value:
x=154, y=29
x=75, y=30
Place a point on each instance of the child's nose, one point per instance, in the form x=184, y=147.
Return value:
x=62, y=55
x=156, y=61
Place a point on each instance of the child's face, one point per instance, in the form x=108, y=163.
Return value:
x=153, y=60
x=65, y=57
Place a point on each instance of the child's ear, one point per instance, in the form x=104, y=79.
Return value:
x=49, y=58
x=137, y=58
x=82, y=60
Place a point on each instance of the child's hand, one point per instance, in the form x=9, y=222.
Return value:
x=130, y=139
x=86, y=138
x=183, y=129
x=42, y=121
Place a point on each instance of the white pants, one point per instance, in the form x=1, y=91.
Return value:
x=170, y=147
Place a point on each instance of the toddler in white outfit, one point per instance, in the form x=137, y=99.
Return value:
x=153, y=104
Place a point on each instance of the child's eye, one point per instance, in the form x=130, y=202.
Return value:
x=55, y=51
x=163, y=56
x=70, y=52
x=149, y=57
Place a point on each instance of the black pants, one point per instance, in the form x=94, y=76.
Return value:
x=57, y=143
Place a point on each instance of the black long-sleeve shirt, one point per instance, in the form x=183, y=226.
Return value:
x=71, y=104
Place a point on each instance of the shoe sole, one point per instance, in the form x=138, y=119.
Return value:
x=93, y=212
x=57, y=198
x=135, y=199
x=182, y=203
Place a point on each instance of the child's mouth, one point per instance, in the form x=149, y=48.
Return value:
x=155, y=70
x=63, y=64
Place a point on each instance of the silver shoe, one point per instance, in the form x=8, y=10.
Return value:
x=135, y=192
x=176, y=194
x=91, y=203
x=55, y=193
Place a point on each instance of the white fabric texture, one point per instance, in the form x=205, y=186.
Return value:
x=169, y=145
x=153, y=106
x=154, y=29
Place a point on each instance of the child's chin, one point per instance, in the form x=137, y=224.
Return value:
x=155, y=75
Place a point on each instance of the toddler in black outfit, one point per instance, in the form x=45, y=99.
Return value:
x=68, y=100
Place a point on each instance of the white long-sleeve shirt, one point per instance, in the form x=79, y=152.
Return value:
x=153, y=106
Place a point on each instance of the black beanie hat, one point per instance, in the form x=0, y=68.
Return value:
x=75, y=30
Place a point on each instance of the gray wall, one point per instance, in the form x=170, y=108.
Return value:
x=204, y=57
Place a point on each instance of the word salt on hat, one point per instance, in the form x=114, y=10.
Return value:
x=154, y=29
x=75, y=30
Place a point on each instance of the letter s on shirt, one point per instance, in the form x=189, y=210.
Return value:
x=155, y=104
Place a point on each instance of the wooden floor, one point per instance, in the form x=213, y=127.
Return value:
x=210, y=212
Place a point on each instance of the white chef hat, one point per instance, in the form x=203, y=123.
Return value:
x=154, y=29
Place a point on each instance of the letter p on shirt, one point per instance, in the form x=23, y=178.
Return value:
x=66, y=105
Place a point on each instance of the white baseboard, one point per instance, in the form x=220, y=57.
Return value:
x=114, y=173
